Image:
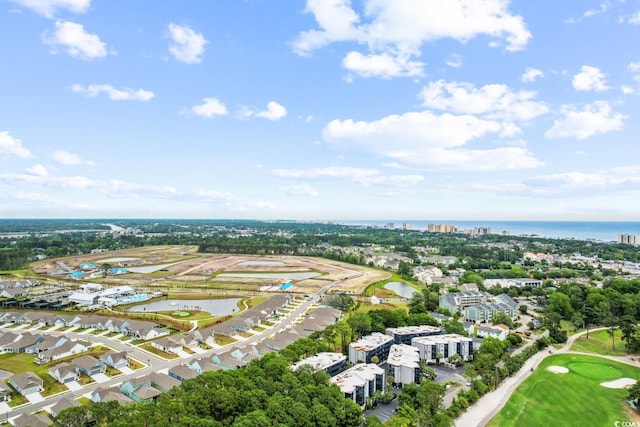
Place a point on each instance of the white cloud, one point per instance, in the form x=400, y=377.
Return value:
x=615, y=179
x=11, y=145
x=394, y=31
x=594, y=118
x=48, y=8
x=494, y=101
x=69, y=159
x=454, y=60
x=634, y=19
x=210, y=108
x=300, y=190
x=531, y=74
x=362, y=176
x=38, y=170
x=627, y=90
x=382, y=65
x=186, y=45
x=604, y=6
x=273, y=112
x=76, y=41
x=125, y=94
x=634, y=67
x=424, y=139
x=590, y=78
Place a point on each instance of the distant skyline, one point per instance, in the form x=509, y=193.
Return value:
x=320, y=109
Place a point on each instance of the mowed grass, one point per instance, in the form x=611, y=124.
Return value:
x=573, y=399
x=599, y=342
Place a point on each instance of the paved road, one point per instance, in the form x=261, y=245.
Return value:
x=155, y=364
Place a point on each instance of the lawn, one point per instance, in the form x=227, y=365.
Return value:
x=572, y=399
x=599, y=342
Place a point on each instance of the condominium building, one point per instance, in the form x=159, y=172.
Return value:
x=361, y=381
x=405, y=334
x=439, y=348
x=331, y=363
x=403, y=364
x=441, y=228
x=456, y=302
x=629, y=239
x=365, y=348
x=485, y=312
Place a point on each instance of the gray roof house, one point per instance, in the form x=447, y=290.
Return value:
x=64, y=373
x=64, y=403
x=182, y=373
x=27, y=383
x=115, y=359
x=89, y=365
x=32, y=420
x=5, y=392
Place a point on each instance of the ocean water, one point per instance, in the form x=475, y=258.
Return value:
x=580, y=230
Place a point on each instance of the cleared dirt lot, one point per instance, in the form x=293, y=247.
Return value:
x=202, y=269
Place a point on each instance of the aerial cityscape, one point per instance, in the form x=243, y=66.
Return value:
x=355, y=213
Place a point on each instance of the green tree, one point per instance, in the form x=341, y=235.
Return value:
x=360, y=324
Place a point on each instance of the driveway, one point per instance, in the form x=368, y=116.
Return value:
x=73, y=386
x=445, y=374
x=100, y=378
x=384, y=411
x=34, y=398
x=126, y=370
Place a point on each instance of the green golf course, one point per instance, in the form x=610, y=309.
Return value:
x=575, y=398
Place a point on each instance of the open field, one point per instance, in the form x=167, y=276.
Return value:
x=576, y=398
x=188, y=269
x=599, y=342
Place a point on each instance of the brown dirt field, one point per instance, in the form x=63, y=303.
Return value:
x=195, y=269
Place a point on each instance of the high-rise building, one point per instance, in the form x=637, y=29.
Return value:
x=441, y=228
x=629, y=239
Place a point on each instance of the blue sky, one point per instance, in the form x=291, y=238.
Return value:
x=320, y=110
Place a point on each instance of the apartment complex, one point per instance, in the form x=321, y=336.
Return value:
x=456, y=302
x=441, y=228
x=365, y=348
x=439, y=348
x=361, y=381
x=405, y=334
x=331, y=363
x=629, y=239
x=403, y=364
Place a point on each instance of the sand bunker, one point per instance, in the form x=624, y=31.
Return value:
x=558, y=369
x=619, y=383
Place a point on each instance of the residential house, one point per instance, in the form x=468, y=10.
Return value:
x=64, y=373
x=497, y=331
x=5, y=392
x=64, y=403
x=20, y=345
x=167, y=344
x=182, y=373
x=115, y=359
x=148, y=387
x=185, y=340
x=13, y=293
x=27, y=383
x=227, y=361
x=7, y=339
x=89, y=365
x=44, y=345
x=67, y=349
x=204, y=365
x=150, y=332
x=110, y=394
x=32, y=420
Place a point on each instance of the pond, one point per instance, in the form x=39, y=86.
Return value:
x=264, y=263
x=286, y=276
x=216, y=307
x=401, y=288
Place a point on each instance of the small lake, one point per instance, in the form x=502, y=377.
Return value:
x=216, y=307
x=401, y=288
x=264, y=263
x=286, y=276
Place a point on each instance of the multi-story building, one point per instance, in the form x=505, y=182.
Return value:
x=439, y=348
x=403, y=364
x=485, y=312
x=456, y=302
x=629, y=239
x=331, y=363
x=365, y=348
x=405, y=334
x=441, y=228
x=360, y=382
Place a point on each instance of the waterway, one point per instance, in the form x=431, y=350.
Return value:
x=401, y=288
x=216, y=307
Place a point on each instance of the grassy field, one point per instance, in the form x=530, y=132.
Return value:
x=599, y=342
x=572, y=399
